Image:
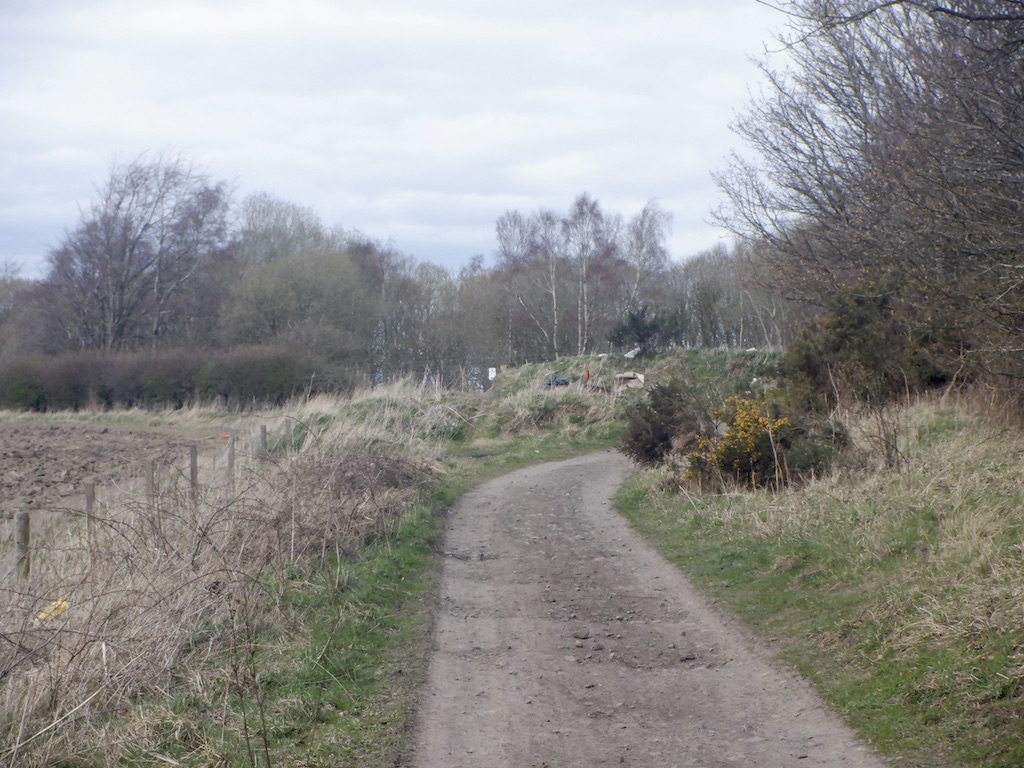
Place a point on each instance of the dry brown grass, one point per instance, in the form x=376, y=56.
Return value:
x=900, y=585
x=954, y=502
x=156, y=577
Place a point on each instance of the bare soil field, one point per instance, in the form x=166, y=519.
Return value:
x=563, y=639
x=45, y=467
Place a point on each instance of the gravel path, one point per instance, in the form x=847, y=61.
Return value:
x=563, y=639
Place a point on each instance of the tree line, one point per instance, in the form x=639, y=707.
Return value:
x=884, y=182
x=876, y=210
x=163, y=262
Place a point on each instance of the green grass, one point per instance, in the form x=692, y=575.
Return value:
x=334, y=679
x=313, y=659
x=331, y=680
x=900, y=595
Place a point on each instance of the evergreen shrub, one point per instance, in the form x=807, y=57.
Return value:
x=671, y=420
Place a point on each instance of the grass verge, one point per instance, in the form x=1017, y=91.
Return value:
x=899, y=593
x=331, y=681
x=279, y=617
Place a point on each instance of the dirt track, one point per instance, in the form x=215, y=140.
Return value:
x=562, y=639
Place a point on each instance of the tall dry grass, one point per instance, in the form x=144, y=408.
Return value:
x=897, y=585
x=114, y=610
x=939, y=534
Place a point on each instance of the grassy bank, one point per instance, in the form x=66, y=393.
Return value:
x=279, y=617
x=898, y=591
x=284, y=618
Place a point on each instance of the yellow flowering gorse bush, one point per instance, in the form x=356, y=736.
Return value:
x=749, y=449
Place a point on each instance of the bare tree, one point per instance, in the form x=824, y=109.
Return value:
x=269, y=228
x=531, y=285
x=645, y=247
x=853, y=11
x=587, y=239
x=571, y=278
x=888, y=158
x=537, y=272
x=113, y=281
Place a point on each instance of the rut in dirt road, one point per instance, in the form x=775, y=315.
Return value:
x=562, y=639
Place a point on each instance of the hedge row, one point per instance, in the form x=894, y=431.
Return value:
x=171, y=378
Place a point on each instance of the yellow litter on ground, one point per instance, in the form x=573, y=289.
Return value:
x=54, y=610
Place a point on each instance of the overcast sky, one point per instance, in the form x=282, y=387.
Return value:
x=417, y=122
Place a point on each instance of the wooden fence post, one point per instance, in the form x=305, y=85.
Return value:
x=23, y=544
x=263, y=440
x=151, y=483
x=151, y=500
x=193, y=455
x=231, y=463
x=90, y=509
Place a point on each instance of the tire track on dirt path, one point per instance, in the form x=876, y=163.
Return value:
x=563, y=639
